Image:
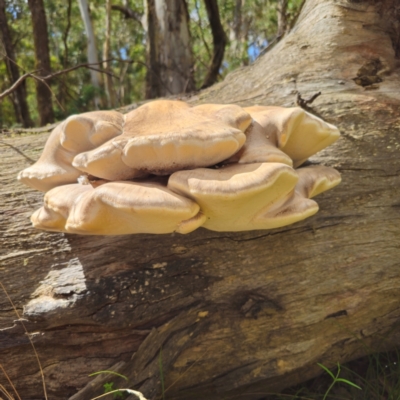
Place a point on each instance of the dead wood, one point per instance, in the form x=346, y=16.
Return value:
x=232, y=313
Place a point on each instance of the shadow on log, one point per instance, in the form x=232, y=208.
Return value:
x=232, y=313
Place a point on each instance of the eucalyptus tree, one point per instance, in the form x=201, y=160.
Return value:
x=42, y=60
x=169, y=52
x=91, y=49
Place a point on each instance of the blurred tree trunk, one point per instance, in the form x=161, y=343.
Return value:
x=237, y=21
x=219, y=42
x=91, y=52
x=106, y=55
x=169, y=53
x=282, y=17
x=19, y=97
x=42, y=58
x=128, y=12
x=62, y=82
x=230, y=314
x=238, y=33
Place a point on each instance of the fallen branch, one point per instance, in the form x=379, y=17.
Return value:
x=304, y=103
x=128, y=13
x=43, y=79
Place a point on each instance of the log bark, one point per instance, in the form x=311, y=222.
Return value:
x=230, y=313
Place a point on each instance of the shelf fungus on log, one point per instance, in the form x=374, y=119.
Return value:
x=286, y=135
x=164, y=136
x=169, y=167
x=117, y=208
x=253, y=196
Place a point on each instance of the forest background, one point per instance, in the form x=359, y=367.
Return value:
x=75, y=56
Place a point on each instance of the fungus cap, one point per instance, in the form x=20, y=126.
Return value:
x=230, y=197
x=53, y=167
x=313, y=180
x=58, y=203
x=106, y=163
x=261, y=145
x=89, y=130
x=117, y=208
x=294, y=131
x=165, y=136
x=77, y=133
x=316, y=179
x=254, y=196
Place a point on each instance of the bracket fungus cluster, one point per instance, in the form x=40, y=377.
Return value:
x=169, y=167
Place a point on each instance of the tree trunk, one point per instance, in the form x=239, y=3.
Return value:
x=169, y=55
x=19, y=98
x=42, y=60
x=91, y=50
x=106, y=55
x=236, y=33
x=62, y=81
x=128, y=12
x=228, y=314
x=219, y=42
x=281, y=9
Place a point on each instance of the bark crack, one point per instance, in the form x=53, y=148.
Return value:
x=18, y=151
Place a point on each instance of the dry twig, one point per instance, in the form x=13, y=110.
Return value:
x=43, y=79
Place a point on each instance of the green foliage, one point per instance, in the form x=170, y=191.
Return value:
x=108, y=387
x=249, y=29
x=374, y=377
x=336, y=379
x=249, y=32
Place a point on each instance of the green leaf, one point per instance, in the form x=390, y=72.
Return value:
x=348, y=382
x=108, y=387
x=326, y=370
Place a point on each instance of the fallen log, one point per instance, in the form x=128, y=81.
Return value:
x=212, y=315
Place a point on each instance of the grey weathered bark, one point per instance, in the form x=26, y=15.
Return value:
x=19, y=99
x=234, y=313
x=219, y=42
x=169, y=55
x=42, y=60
